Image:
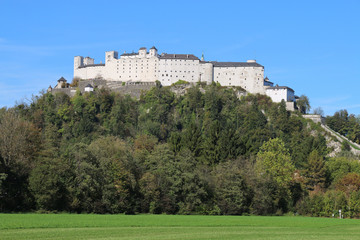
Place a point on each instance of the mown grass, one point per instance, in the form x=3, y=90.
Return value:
x=88, y=226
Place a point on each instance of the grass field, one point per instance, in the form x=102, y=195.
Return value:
x=88, y=226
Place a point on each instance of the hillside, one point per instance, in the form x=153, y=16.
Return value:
x=204, y=152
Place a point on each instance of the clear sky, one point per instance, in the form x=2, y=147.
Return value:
x=310, y=46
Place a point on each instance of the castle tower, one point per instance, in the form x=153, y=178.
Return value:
x=88, y=61
x=109, y=55
x=153, y=51
x=78, y=62
x=142, y=52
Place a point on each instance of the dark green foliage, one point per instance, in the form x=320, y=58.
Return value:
x=233, y=195
x=206, y=152
x=345, y=124
x=315, y=171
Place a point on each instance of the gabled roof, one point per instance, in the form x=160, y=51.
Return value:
x=89, y=85
x=236, y=64
x=153, y=47
x=62, y=79
x=178, y=56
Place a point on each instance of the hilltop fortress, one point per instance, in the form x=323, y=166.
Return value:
x=146, y=67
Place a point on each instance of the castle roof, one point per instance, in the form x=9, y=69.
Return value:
x=62, y=79
x=178, y=56
x=129, y=54
x=153, y=47
x=89, y=85
x=143, y=48
x=281, y=87
x=236, y=64
x=93, y=65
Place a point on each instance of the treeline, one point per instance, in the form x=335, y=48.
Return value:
x=201, y=153
x=346, y=124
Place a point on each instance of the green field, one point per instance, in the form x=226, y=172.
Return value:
x=88, y=226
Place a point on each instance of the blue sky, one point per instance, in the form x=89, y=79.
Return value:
x=310, y=46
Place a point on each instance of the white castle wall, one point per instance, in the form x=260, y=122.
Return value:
x=172, y=70
x=249, y=78
x=146, y=66
x=280, y=93
x=206, y=72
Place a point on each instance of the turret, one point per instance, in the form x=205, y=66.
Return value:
x=142, y=52
x=88, y=61
x=153, y=51
x=109, y=55
x=78, y=62
x=62, y=83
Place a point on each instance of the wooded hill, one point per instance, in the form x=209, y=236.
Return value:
x=201, y=153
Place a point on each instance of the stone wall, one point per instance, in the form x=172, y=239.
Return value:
x=314, y=117
x=134, y=89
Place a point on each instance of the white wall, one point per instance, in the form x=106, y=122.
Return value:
x=249, y=78
x=280, y=93
x=149, y=67
x=173, y=70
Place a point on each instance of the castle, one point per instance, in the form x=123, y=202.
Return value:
x=149, y=66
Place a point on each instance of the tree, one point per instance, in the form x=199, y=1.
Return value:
x=318, y=111
x=233, y=196
x=19, y=141
x=48, y=183
x=349, y=183
x=19, y=144
x=315, y=173
x=274, y=160
x=303, y=104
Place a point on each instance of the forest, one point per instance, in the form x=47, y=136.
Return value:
x=206, y=152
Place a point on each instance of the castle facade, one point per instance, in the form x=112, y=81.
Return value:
x=149, y=66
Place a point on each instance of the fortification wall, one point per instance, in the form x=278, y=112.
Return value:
x=134, y=89
x=314, y=117
x=249, y=78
